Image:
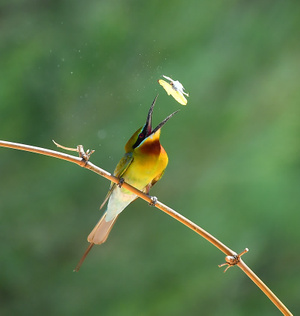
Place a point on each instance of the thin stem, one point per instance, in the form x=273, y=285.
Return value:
x=86, y=164
x=275, y=300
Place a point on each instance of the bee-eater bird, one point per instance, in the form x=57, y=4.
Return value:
x=143, y=164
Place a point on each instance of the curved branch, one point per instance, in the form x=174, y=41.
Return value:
x=234, y=257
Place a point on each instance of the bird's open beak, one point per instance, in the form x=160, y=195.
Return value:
x=148, y=126
x=147, y=130
x=160, y=125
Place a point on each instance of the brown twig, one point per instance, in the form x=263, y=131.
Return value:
x=232, y=258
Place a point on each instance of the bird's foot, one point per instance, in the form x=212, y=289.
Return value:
x=85, y=155
x=232, y=260
x=153, y=200
x=121, y=181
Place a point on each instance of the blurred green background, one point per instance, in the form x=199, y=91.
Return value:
x=85, y=72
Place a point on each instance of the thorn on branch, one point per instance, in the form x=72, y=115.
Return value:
x=85, y=155
x=232, y=260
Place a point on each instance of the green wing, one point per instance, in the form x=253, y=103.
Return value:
x=121, y=167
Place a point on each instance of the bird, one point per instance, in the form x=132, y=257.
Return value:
x=143, y=164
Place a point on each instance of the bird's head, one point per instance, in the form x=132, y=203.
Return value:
x=146, y=133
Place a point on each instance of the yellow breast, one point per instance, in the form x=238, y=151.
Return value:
x=149, y=161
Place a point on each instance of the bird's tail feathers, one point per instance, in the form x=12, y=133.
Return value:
x=101, y=231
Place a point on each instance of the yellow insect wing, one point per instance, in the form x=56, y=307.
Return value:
x=168, y=88
x=178, y=96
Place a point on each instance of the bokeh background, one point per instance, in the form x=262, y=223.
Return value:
x=85, y=72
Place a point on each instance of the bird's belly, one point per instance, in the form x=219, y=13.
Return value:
x=119, y=199
x=141, y=172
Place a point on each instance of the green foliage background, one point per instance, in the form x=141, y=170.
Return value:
x=85, y=72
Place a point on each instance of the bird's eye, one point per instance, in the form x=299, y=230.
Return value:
x=140, y=138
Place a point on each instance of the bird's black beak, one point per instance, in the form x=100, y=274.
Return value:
x=161, y=124
x=147, y=130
